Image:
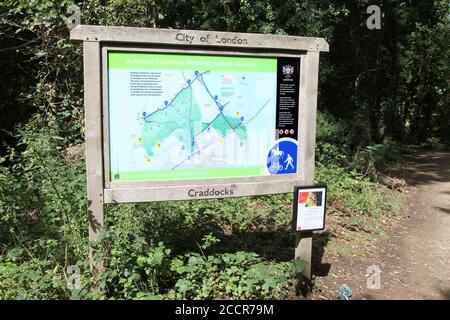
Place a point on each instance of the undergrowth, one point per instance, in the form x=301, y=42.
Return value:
x=236, y=248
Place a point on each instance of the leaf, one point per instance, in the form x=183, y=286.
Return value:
x=269, y=283
x=183, y=285
x=299, y=265
x=147, y=296
x=135, y=277
x=155, y=259
x=141, y=261
x=195, y=261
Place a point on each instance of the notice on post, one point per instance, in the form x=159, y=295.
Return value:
x=309, y=208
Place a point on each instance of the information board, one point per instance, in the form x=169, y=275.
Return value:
x=179, y=116
x=189, y=114
x=310, y=207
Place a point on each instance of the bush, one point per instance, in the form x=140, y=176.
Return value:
x=240, y=275
x=376, y=156
x=351, y=193
x=332, y=142
x=435, y=143
x=149, y=251
x=30, y=279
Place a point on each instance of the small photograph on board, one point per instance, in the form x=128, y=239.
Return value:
x=309, y=208
x=310, y=199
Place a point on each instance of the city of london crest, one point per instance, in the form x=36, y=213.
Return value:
x=288, y=71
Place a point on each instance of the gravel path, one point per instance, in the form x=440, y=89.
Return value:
x=422, y=244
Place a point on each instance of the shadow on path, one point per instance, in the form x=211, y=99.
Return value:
x=423, y=167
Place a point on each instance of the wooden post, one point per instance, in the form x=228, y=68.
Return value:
x=94, y=159
x=309, y=77
x=303, y=248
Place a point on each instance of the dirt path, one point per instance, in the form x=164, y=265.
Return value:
x=423, y=242
x=414, y=255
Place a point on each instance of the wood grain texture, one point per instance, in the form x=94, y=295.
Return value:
x=93, y=136
x=195, y=37
x=308, y=109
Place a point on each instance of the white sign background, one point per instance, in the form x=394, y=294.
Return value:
x=309, y=208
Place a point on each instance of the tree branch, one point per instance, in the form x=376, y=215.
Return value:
x=18, y=47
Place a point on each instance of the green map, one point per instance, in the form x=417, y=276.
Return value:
x=186, y=116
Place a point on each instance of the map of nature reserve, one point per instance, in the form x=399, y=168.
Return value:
x=185, y=116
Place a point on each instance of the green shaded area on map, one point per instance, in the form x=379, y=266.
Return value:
x=182, y=119
x=223, y=123
x=202, y=108
x=185, y=174
x=178, y=119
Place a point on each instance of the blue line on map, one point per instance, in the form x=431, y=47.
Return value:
x=242, y=123
x=170, y=103
x=206, y=87
x=214, y=98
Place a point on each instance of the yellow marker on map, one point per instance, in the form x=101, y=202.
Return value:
x=148, y=159
x=140, y=140
x=238, y=113
x=159, y=145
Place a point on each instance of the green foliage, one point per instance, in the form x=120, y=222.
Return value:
x=335, y=142
x=332, y=140
x=435, y=143
x=240, y=275
x=371, y=157
x=32, y=279
x=352, y=194
x=425, y=74
x=149, y=251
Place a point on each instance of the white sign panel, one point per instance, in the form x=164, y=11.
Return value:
x=309, y=208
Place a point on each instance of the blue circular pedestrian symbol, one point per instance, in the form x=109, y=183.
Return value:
x=282, y=157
